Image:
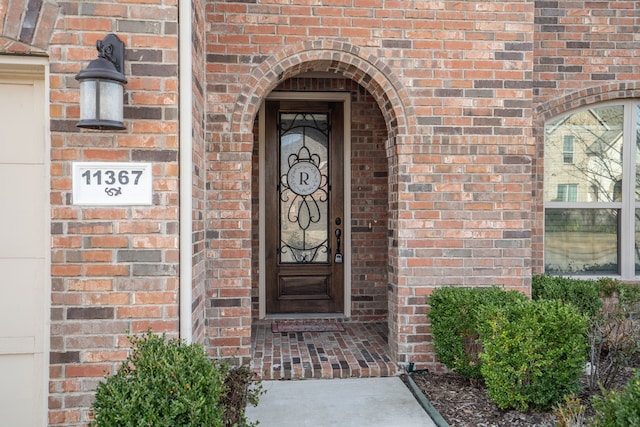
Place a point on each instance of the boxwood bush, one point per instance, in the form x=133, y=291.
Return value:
x=584, y=294
x=168, y=383
x=533, y=353
x=454, y=324
x=613, y=308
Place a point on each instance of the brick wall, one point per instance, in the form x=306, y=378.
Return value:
x=26, y=26
x=199, y=230
x=453, y=81
x=369, y=208
x=462, y=91
x=114, y=269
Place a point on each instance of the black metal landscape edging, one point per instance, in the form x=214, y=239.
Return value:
x=424, y=402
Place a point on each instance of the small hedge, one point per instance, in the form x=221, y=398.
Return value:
x=613, y=308
x=584, y=294
x=168, y=383
x=454, y=324
x=533, y=353
x=530, y=354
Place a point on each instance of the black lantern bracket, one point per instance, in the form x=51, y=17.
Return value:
x=112, y=49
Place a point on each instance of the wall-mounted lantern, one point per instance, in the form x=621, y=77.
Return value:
x=102, y=87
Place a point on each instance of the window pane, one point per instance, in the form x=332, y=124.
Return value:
x=595, y=169
x=572, y=193
x=581, y=241
x=561, y=194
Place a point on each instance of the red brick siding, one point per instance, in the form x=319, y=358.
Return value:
x=453, y=80
x=369, y=208
x=26, y=26
x=463, y=89
x=198, y=196
x=114, y=269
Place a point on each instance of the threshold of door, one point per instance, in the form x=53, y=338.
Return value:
x=305, y=316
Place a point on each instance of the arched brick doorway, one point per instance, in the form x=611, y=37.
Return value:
x=381, y=120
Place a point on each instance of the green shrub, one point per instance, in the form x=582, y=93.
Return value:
x=619, y=409
x=454, y=324
x=534, y=353
x=628, y=296
x=584, y=294
x=162, y=384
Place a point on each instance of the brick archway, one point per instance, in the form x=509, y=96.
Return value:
x=332, y=56
x=26, y=27
x=360, y=65
x=592, y=95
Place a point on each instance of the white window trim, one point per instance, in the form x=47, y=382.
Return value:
x=629, y=204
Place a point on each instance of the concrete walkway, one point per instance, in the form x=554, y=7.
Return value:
x=352, y=402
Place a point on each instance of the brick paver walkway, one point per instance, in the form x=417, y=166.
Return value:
x=359, y=351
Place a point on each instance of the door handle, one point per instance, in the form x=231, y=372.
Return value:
x=338, y=257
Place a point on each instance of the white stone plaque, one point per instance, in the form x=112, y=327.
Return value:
x=112, y=184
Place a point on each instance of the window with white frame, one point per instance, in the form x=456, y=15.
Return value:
x=592, y=203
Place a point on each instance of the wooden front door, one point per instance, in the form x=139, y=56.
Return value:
x=304, y=207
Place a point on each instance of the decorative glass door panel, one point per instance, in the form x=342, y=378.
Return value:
x=304, y=207
x=304, y=188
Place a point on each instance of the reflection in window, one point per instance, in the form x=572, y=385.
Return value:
x=637, y=146
x=581, y=241
x=596, y=139
x=567, y=193
x=567, y=149
x=636, y=252
x=591, y=193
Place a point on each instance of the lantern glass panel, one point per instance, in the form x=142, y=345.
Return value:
x=111, y=100
x=88, y=100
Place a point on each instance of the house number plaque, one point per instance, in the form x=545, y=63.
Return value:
x=110, y=184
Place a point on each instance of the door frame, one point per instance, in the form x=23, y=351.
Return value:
x=345, y=98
